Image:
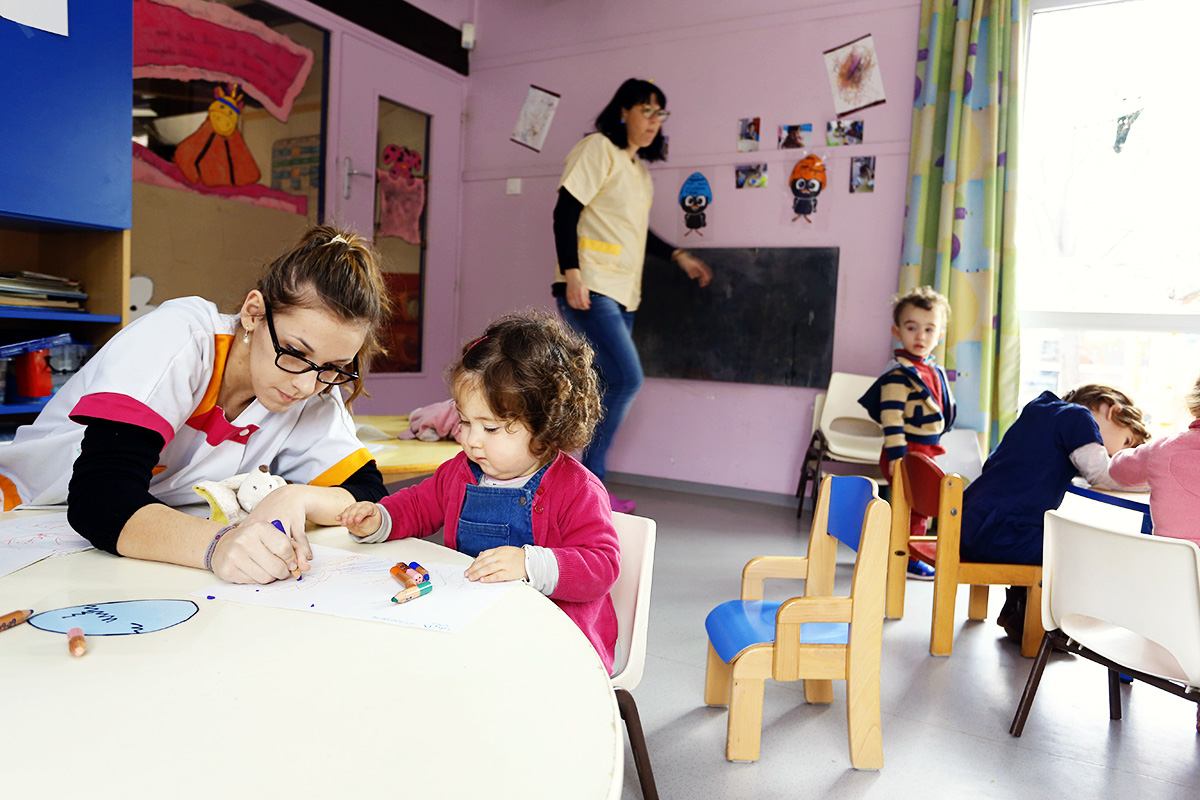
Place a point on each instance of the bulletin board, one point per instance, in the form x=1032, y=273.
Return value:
x=767, y=317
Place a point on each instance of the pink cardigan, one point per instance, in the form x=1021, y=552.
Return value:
x=571, y=516
x=1171, y=467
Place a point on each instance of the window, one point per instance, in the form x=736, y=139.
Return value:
x=1108, y=264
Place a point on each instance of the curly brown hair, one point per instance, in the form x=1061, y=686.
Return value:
x=1125, y=413
x=335, y=271
x=923, y=297
x=535, y=370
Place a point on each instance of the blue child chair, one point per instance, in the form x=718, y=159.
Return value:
x=816, y=637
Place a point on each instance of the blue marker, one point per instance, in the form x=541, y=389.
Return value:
x=296, y=571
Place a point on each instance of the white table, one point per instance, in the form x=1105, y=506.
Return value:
x=243, y=701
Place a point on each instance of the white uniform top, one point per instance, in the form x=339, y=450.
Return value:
x=616, y=193
x=163, y=372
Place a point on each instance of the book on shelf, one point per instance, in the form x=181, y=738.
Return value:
x=32, y=301
x=40, y=288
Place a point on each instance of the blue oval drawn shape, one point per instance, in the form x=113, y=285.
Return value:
x=117, y=618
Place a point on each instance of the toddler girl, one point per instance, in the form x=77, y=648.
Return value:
x=514, y=500
x=1171, y=468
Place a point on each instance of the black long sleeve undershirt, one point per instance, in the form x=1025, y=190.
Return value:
x=110, y=481
x=566, y=237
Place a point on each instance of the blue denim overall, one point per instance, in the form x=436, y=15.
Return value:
x=494, y=516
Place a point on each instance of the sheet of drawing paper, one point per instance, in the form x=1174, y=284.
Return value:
x=28, y=539
x=117, y=618
x=346, y=584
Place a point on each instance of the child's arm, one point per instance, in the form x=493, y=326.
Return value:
x=505, y=563
x=1092, y=461
x=1131, y=468
x=589, y=555
x=366, y=521
x=893, y=397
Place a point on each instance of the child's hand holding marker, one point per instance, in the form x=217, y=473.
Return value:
x=361, y=519
x=498, y=564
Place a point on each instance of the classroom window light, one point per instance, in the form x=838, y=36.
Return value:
x=1108, y=277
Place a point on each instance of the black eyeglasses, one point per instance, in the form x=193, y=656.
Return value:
x=290, y=361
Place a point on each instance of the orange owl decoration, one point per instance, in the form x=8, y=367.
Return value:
x=807, y=181
x=216, y=154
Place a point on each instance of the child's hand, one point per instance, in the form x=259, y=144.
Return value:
x=498, y=564
x=361, y=518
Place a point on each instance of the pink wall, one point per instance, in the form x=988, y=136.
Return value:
x=716, y=61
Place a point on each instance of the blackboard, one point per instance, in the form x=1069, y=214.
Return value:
x=766, y=317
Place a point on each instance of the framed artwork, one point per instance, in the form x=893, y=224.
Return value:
x=854, y=76
x=536, y=115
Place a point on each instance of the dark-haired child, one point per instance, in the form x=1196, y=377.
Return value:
x=514, y=499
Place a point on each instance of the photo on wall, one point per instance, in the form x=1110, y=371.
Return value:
x=862, y=174
x=748, y=128
x=750, y=176
x=843, y=131
x=795, y=137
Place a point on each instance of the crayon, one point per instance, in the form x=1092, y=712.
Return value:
x=404, y=575
x=424, y=573
x=279, y=524
x=412, y=592
x=76, y=642
x=14, y=619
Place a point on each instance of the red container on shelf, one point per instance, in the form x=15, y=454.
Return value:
x=33, y=374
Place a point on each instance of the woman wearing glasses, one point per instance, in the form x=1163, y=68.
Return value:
x=602, y=236
x=187, y=394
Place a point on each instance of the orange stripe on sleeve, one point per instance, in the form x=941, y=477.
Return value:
x=339, y=472
x=223, y=342
x=11, y=498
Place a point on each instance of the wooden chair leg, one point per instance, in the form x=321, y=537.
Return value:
x=637, y=742
x=750, y=671
x=1033, y=633
x=1031, y=685
x=945, y=593
x=977, y=606
x=863, y=717
x=818, y=691
x=716, y=680
x=1114, y=694
x=897, y=569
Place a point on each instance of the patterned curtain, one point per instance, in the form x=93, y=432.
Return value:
x=961, y=209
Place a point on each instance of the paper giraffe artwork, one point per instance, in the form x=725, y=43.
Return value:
x=216, y=154
x=694, y=197
x=807, y=181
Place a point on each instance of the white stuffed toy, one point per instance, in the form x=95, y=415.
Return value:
x=231, y=500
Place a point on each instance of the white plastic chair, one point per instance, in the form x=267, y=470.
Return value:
x=962, y=453
x=631, y=599
x=1128, y=601
x=842, y=431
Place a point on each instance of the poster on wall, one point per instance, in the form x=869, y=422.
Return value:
x=854, y=76
x=536, y=115
x=44, y=15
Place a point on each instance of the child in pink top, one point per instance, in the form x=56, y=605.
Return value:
x=1171, y=468
x=513, y=500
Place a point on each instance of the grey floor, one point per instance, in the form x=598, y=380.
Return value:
x=945, y=720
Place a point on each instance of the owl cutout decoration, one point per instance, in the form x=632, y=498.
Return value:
x=694, y=197
x=807, y=181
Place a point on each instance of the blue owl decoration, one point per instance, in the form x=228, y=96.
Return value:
x=694, y=196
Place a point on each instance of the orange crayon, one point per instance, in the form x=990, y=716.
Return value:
x=76, y=642
x=14, y=619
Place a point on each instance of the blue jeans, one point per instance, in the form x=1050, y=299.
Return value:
x=608, y=327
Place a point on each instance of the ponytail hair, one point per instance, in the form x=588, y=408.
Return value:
x=335, y=271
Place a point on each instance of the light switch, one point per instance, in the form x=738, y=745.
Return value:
x=513, y=186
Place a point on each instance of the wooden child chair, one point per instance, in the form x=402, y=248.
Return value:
x=934, y=493
x=816, y=637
